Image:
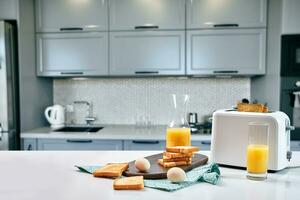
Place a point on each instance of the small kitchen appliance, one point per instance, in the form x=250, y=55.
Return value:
x=230, y=137
x=55, y=116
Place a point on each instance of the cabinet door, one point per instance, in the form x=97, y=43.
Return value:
x=219, y=52
x=211, y=13
x=8, y=9
x=72, y=54
x=71, y=15
x=147, y=53
x=137, y=14
x=144, y=145
x=79, y=144
x=29, y=144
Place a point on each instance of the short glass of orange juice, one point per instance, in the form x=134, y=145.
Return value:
x=178, y=131
x=257, y=151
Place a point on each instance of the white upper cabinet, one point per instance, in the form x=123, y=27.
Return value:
x=151, y=14
x=226, y=52
x=291, y=17
x=71, y=15
x=226, y=13
x=147, y=53
x=72, y=54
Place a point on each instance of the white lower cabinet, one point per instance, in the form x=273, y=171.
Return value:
x=145, y=145
x=79, y=144
x=295, y=145
x=30, y=144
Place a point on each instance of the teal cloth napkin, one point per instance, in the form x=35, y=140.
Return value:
x=209, y=173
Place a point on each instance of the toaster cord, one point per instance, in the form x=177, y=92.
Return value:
x=293, y=167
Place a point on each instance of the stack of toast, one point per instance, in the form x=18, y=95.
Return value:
x=178, y=156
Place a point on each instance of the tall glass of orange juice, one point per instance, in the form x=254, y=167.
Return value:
x=257, y=151
x=178, y=131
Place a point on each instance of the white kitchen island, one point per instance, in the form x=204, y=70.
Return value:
x=51, y=175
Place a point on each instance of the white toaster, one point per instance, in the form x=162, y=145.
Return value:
x=230, y=137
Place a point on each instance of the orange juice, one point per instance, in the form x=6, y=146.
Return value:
x=178, y=137
x=257, y=158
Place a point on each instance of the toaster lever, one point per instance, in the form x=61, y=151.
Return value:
x=289, y=155
x=290, y=128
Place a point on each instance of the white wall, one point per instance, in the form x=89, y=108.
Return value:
x=124, y=100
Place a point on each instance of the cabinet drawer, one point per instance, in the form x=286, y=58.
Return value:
x=213, y=52
x=235, y=13
x=137, y=14
x=72, y=54
x=147, y=53
x=79, y=144
x=66, y=15
x=144, y=145
x=203, y=145
x=29, y=144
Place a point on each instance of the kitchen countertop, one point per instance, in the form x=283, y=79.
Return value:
x=110, y=132
x=52, y=175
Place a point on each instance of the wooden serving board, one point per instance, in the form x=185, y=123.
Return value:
x=157, y=171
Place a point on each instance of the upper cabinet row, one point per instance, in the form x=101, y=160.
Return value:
x=118, y=15
x=150, y=37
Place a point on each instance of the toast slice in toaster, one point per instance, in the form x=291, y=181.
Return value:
x=111, y=170
x=245, y=107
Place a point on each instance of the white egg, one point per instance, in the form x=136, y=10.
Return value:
x=176, y=175
x=142, y=164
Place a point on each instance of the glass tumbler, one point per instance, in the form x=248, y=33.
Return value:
x=257, y=151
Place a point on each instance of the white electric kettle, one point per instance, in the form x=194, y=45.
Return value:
x=55, y=116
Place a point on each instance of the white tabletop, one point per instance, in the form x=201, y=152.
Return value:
x=52, y=175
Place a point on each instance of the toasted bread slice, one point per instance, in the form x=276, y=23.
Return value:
x=173, y=164
x=177, y=155
x=245, y=107
x=129, y=183
x=167, y=159
x=111, y=170
x=182, y=149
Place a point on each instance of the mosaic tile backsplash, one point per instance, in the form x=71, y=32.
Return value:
x=146, y=100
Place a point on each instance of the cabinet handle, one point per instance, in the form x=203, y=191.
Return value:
x=80, y=141
x=206, y=142
x=29, y=148
x=146, y=27
x=71, y=29
x=71, y=73
x=145, y=142
x=146, y=72
x=226, y=25
x=226, y=72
